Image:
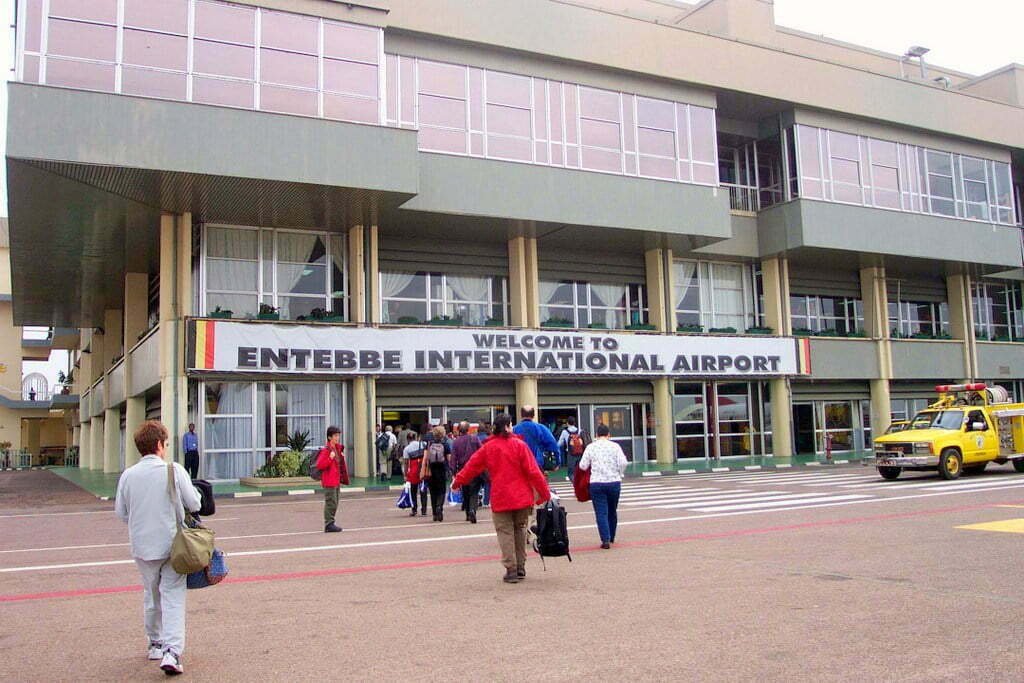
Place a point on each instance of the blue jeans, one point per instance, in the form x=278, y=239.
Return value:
x=605, y=497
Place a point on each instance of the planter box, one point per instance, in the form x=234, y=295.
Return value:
x=406, y=320
x=597, y=327
x=265, y=482
x=690, y=329
x=556, y=323
x=722, y=330
x=760, y=330
x=641, y=328
x=446, y=323
x=268, y=316
x=330, y=319
x=494, y=323
x=221, y=315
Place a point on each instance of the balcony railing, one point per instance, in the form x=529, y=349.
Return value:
x=743, y=198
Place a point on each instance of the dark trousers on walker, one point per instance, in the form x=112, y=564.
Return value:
x=471, y=495
x=414, y=492
x=192, y=464
x=438, y=484
x=605, y=497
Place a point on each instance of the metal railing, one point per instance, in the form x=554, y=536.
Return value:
x=743, y=198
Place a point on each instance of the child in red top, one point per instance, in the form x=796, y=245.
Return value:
x=334, y=472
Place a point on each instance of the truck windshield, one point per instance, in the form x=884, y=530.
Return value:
x=939, y=419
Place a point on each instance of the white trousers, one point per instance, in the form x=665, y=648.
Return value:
x=163, y=602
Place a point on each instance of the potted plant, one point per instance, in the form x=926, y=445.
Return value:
x=65, y=381
x=597, y=326
x=268, y=312
x=494, y=322
x=409, y=320
x=803, y=332
x=445, y=320
x=288, y=467
x=217, y=313
x=1001, y=338
x=645, y=327
x=322, y=315
x=858, y=334
x=690, y=329
x=827, y=333
x=760, y=330
x=722, y=330
x=557, y=322
x=942, y=335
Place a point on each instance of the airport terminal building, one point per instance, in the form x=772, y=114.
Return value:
x=719, y=236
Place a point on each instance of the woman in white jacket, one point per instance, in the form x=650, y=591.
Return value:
x=607, y=463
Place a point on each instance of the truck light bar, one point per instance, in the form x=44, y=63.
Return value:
x=947, y=388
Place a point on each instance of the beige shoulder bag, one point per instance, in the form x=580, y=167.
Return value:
x=193, y=546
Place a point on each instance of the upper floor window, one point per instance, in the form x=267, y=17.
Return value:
x=841, y=315
x=411, y=298
x=300, y=273
x=855, y=169
x=713, y=296
x=998, y=314
x=922, y=319
x=590, y=304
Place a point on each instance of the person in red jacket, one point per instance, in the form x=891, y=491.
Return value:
x=517, y=484
x=334, y=472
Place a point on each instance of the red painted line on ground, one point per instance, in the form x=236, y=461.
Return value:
x=341, y=571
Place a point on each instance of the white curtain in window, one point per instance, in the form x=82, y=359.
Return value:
x=547, y=291
x=392, y=283
x=468, y=287
x=684, y=280
x=232, y=243
x=612, y=296
x=728, y=283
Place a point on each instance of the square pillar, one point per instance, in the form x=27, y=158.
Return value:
x=881, y=406
x=357, y=295
x=775, y=280
x=175, y=304
x=782, y=417
x=136, y=307
x=111, y=440
x=961, y=321
x=523, y=282
x=364, y=412
x=526, y=394
x=875, y=297
x=84, y=445
x=664, y=421
x=659, y=292
x=135, y=415
x=113, y=338
x=96, y=457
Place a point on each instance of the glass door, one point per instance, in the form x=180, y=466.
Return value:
x=619, y=419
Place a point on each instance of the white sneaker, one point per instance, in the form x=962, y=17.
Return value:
x=171, y=664
x=156, y=651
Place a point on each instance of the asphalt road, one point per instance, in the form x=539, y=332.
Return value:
x=803, y=575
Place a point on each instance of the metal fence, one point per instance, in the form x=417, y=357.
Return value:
x=742, y=198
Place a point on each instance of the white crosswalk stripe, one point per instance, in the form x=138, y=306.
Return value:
x=693, y=503
x=937, y=484
x=780, y=503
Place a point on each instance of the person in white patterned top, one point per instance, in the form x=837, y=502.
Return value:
x=607, y=463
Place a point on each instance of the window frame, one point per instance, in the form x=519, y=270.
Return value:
x=583, y=310
x=445, y=301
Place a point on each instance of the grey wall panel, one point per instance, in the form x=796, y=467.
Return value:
x=117, y=387
x=1000, y=361
x=844, y=359
x=743, y=242
x=806, y=280
x=828, y=225
x=594, y=392
x=830, y=391
x=590, y=265
x=917, y=289
x=938, y=360
x=906, y=389
x=145, y=360
x=423, y=254
x=483, y=187
x=194, y=138
x=391, y=394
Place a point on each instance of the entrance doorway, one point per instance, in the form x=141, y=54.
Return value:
x=803, y=428
x=419, y=418
x=555, y=417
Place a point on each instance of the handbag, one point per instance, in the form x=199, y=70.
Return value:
x=210, y=576
x=192, y=547
x=581, y=484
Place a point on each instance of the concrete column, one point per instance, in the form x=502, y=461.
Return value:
x=775, y=280
x=136, y=307
x=357, y=276
x=135, y=415
x=526, y=393
x=84, y=443
x=961, y=321
x=96, y=457
x=32, y=437
x=523, y=283
x=364, y=413
x=664, y=421
x=657, y=298
x=111, y=440
x=76, y=435
x=875, y=297
x=97, y=354
x=175, y=304
x=113, y=344
x=782, y=417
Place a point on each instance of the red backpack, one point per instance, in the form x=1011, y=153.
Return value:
x=575, y=446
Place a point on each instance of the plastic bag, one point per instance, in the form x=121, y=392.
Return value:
x=405, y=499
x=454, y=497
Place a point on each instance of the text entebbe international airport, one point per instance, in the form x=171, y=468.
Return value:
x=506, y=353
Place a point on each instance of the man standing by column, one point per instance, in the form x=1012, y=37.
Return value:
x=190, y=447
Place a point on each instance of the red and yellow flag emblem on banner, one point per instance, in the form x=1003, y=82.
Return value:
x=803, y=356
x=205, y=344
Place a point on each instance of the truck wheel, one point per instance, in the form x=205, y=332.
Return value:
x=950, y=464
x=1018, y=464
x=890, y=473
x=970, y=470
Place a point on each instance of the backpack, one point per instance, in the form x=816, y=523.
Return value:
x=551, y=532
x=575, y=443
x=435, y=452
x=383, y=441
x=550, y=461
x=314, y=471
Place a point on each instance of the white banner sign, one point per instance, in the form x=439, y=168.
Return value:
x=251, y=348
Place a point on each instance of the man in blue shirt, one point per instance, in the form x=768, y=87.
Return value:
x=537, y=436
x=190, y=446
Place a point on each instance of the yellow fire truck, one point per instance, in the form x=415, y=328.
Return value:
x=969, y=426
